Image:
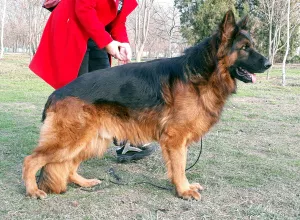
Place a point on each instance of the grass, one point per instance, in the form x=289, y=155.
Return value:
x=250, y=165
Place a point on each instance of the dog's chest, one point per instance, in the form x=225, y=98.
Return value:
x=196, y=110
x=208, y=108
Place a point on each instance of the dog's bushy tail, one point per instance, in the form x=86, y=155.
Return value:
x=54, y=178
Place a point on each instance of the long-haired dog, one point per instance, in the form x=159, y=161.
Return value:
x=173, y=101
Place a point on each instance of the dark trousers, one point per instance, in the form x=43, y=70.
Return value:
x=94, y=59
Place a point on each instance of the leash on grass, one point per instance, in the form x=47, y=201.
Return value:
x=111, y=172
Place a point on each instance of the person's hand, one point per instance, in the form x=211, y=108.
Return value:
x=51, y=3
x=113, y=49
x=125, y=52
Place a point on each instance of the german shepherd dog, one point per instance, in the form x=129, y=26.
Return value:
x=174, y=101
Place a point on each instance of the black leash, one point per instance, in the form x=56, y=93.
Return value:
x=197, y=158
x=138, y=183
x=111, y=172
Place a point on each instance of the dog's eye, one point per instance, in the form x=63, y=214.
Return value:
x=245, y=47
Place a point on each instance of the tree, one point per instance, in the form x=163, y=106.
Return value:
x=164, y=38
x=36, y=17
x=287, y=44
x=199, y=18
x=167, y=22
x=16, y=34
x=273, y=16
x=141, y=29
x=24, y=23
x=2, y=29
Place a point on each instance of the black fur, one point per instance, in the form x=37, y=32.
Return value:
x=138, y=85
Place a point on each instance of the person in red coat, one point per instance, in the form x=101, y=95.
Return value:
x=79, y=37
x=64, y=41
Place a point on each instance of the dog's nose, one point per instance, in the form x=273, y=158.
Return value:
x=267, y=64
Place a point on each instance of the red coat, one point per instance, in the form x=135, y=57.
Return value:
x=70, y=25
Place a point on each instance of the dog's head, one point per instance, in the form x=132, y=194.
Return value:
x=242, y=60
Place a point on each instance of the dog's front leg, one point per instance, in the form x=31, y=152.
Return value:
x=175, y=154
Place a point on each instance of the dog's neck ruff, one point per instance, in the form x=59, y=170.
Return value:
x=200, y=59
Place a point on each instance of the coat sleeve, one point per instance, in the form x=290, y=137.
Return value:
x=87, y=16
x=117, y=29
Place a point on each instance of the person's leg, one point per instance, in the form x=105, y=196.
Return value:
x=98, y=58
x=84, y=67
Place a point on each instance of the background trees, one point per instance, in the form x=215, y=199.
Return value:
x=154, y=29
x=199, y=18
x=23, y=25
x=275, y=33
x=268, y=18
x=163, y=28
x=2, y=29
x=142, y=16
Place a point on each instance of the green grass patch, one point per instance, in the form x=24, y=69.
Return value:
x=249, y=166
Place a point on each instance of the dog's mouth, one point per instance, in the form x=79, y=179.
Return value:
x=244, y=75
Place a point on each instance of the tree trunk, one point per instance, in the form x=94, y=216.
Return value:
x=287, y=45
x=270, y=37
x=142, y=21
x=139, y=54
x=170, y=44
x=2, y=30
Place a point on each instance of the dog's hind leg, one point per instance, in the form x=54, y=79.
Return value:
x=79, y=180
x=64, y=135
x=96, y=147
x=175, y=153
x=53, y=177
x=55, y=174
x=32, y=164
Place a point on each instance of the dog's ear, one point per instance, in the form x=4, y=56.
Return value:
x=228, y=25
x=242, y=24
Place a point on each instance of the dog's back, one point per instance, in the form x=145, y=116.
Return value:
x=135, y=86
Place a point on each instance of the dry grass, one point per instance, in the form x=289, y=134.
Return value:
x=250, y=163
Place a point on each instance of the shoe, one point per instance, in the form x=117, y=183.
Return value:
x=129, y=153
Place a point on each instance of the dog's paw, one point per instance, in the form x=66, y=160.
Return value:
x=192, y=192
x=37, y=194
x=91, y=182
x=196, y=187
